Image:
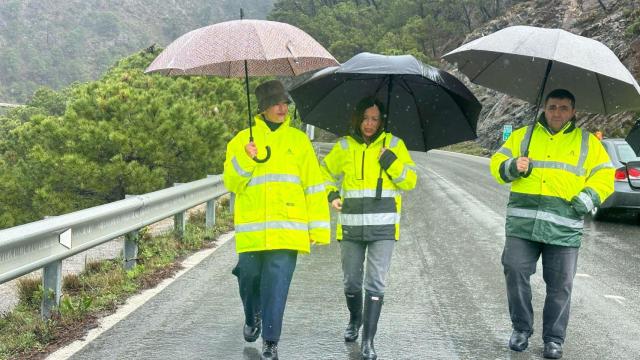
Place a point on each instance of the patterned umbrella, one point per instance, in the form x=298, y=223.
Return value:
x=243, y=48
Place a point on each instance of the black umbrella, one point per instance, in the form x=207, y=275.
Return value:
x=426, y=107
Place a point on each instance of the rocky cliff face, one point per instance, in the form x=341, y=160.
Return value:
x=602, y=20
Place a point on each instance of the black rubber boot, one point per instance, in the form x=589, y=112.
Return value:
x=354, y=304
x=372, y=307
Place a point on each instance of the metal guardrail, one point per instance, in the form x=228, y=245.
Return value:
x=8, y=105
x=40, y=244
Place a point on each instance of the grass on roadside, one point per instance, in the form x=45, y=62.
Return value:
x=100, y=289
x=468, y=147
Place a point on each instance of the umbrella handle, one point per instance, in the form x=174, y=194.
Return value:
x=255, y=158
x=379, y=184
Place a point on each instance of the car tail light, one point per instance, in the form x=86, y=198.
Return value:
x=621, y=174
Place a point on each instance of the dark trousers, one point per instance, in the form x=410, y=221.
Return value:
x=559, y=264
x=263, y=279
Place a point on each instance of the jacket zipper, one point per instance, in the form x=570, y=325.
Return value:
x=362, y=174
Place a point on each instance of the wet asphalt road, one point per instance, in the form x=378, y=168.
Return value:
x=445, y=295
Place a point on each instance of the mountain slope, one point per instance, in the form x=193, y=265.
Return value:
x=610, y=22
x=54, y=43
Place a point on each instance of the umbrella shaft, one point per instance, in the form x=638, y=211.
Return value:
x=246, y=85
x=538, y=101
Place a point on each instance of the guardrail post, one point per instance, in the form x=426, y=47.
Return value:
x=179, y=220
x=210, y=215
x=130, y=251
x=52, y=288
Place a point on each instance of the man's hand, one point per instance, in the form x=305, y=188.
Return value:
x=251, y=149
x=522, y=164
x=337, y=204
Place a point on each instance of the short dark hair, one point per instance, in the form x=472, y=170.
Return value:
x=361, y=107
x=561, y=94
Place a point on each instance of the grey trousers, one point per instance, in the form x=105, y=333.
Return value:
x=378, y=256
x=559, y=264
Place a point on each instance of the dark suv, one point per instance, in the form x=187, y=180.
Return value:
x=623, y=197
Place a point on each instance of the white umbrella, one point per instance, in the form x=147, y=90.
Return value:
x=528, y=62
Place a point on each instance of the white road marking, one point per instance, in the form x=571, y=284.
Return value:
x=135, y=302
x=619, y=299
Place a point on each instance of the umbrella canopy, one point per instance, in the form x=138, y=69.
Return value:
x=528, y=62
x=241, y=48
x=268, y=47
x=427, y=107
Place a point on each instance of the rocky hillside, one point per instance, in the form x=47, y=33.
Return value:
x=612, y=22
x=54, y=43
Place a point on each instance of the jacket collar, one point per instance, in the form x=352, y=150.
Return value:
x=259, y=122
x=377, y=137
x=567, y=128
x=356, y=134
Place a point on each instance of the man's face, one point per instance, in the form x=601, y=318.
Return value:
x=277, y=112
x=558, y=112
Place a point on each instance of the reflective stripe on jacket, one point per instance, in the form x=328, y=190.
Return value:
x=352, y=168
x=570, y=174
x=280, y=204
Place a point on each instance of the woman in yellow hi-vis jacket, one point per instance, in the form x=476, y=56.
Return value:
x=367, y=224
x=566, y=173
x=280, y=209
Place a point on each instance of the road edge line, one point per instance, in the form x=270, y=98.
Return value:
x=136, y=301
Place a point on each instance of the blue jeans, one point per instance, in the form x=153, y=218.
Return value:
x=263, y=279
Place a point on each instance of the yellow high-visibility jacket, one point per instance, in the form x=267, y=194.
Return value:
x=570, y=174
x=356, y=165
x=279, y=204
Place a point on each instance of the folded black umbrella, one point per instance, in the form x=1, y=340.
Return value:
x=427, y=107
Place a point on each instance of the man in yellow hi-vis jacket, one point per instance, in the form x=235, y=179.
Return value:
x=566, y=174
x=280, y=209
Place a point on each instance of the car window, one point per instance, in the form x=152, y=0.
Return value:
x=626, y=153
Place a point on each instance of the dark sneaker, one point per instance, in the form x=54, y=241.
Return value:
x=269, y=350
x=251, y=333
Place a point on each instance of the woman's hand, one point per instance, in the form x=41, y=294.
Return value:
x=382, y=152
x=337, y=204
x=251, y=149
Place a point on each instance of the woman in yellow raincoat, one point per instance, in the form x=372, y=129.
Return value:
x=369, y=222
x=280, y=209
